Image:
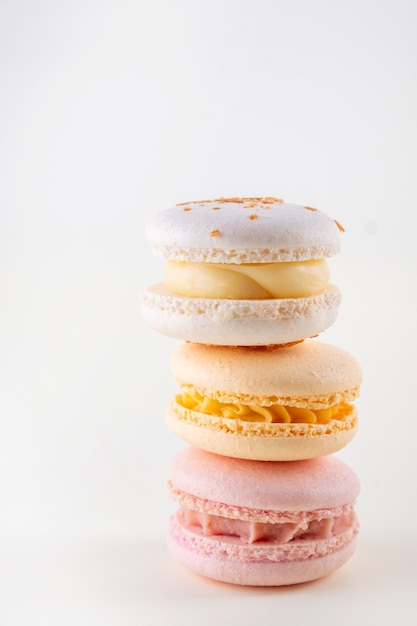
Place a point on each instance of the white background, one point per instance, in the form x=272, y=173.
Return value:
x=110, y=111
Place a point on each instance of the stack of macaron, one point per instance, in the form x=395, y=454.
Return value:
x=262, y=404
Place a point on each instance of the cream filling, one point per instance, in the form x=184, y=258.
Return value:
x=294, y=279
x=318, y=529
x=275, y=413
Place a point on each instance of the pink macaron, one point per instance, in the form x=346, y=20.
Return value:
x=259, y=522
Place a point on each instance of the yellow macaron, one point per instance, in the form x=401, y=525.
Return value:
x=276, y=403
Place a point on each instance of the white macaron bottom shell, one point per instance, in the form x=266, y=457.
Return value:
x=239, y=322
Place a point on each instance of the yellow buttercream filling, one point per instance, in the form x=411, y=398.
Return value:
x=276, y=413
x=294, y=279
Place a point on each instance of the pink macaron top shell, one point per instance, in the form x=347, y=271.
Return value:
x=324, y=482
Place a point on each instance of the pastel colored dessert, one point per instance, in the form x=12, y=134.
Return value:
x=243, y=271
x=262, y=523
x=276, y=403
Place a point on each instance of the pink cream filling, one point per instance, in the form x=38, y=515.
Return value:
x=249, y=531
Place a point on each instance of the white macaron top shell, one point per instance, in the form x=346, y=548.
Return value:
x=243, y=230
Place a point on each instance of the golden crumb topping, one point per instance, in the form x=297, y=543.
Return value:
x=248, y=202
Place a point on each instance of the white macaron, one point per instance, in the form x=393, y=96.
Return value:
x=243, y=271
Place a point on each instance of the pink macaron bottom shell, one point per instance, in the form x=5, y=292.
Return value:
x=261, y=563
